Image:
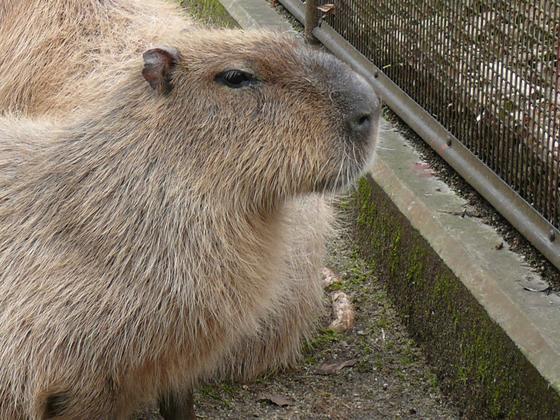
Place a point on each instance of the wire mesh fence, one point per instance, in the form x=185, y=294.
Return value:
x=487, y=70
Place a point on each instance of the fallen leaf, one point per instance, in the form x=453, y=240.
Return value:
x=327, y=8
x=329, y=277
x=545, y=290
x=333, y=368
x=276, y=399
x=343, y=312
x=423, y=169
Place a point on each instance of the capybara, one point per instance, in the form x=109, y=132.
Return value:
x=162, y=209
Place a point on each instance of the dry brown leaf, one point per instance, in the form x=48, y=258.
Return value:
x=333, y=368
x=329, y=277
x=276, y=399
x=343, y=312
x=327, y=9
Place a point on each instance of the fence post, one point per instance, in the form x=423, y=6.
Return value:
x=311, y=20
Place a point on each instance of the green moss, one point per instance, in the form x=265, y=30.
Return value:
x=228, y=388
x=382, y=322
x=462, y=375
x=324, y=338
x=209, y=391
x=394, y=258
x=336, y=287
x=365, y=346
x=310, y=359
x=378, y=362
x=216, y=392
x=210, y=12
x=475, y=360
x=408, y=355
x=433, y=381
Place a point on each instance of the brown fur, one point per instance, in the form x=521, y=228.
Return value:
x=60, y=54
x=147, y=240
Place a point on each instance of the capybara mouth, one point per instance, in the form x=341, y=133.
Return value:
x=357, y=158
x=353, y=164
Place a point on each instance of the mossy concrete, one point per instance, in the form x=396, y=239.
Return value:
x=487, y=337
x=211, y=12
x=256, y=14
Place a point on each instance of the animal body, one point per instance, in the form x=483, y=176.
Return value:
x=162, y=209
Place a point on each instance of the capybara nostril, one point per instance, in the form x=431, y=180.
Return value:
x=360, y=125
x=363, y=113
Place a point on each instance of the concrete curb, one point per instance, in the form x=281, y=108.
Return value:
x=497, y=278
x=255, y=14
x=462, y=255
x=495, y=344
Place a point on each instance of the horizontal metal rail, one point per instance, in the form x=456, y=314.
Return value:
x=507, y=202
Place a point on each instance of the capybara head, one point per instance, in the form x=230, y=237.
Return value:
x=262, y=113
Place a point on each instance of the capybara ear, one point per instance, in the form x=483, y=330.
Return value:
x=158, y=67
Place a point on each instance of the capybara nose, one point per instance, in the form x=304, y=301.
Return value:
x=361, y=107
x=360, y=124
x=358, y=107
x=363, y=113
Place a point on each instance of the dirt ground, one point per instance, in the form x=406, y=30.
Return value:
x=385, y=376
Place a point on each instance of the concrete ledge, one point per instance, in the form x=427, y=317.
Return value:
x=495, y=345
x=255, y=14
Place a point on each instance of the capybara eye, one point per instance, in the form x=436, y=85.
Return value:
x=236, y=78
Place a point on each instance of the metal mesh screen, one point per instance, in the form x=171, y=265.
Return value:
x=487, y=70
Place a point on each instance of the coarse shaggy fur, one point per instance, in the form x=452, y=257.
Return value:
x=149, y=239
